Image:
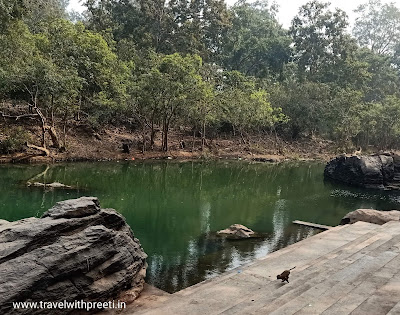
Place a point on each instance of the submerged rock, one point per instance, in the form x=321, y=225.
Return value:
x=237, y=231
x=49, y=185
x=76, y=251
x=371, y=216
x=373, y=171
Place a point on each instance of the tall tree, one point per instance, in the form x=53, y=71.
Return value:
x=320, y=40
x=167, y=88
x=255, y=44
x=378, y=26
x=145, y=22
x=246, y=106
x=199, y=26
x=10, y=10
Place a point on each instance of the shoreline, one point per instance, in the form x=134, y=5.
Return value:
x=159, y=156
x=108, y=145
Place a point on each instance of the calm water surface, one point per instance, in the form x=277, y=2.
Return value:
x=175, y=208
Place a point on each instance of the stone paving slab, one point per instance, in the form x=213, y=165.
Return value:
x=352, y=269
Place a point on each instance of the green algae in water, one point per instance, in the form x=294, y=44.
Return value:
x=174, y=208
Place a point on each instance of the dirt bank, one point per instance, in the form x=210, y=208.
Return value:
x=86, y=144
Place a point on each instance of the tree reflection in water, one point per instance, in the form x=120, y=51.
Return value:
x=175, y=208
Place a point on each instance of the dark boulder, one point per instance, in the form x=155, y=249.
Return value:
x=373, y=171
x=75, y=251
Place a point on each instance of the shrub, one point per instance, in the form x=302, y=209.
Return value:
x=14, y=140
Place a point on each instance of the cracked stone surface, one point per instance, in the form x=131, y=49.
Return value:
x=75, y=251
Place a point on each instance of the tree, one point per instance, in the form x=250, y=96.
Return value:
x=33, y=78
x=145, y=22
x=321, y=43
x=64, y=70
x=199, y=27
x=10, y=10
x=255, y=44
x=382, y=78
x=167, y=88
x=378, y=26
x=380, y=123
x=305, y=103
x=343, y=116
x=204, y=108
x=246, y=106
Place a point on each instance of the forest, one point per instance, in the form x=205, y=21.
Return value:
x=201, y=67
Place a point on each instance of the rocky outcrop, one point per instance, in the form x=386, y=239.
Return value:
x=75, y=251
x=374, y=171
x=237, y=231
x=371, y=216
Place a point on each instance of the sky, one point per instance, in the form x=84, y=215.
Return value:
x=288, y=8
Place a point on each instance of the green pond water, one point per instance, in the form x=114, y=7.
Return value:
x=174, y=208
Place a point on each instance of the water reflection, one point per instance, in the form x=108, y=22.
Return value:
x=175, y=208
x=210, y=256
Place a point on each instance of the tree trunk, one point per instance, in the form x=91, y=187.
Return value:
x=144, y=139
x=152, y=136
x=165, y=135
x=65, y=129
x=54, y=137
x=203, y=135
x=194, y=139
x=52, y=111
x=43, y=120
x=44, y=150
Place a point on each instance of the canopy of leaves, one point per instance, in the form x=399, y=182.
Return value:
x=378, y=26
x=200, y=66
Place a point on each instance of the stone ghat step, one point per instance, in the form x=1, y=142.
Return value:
x=316, y=259
x=266, y=293
x=239, y=284
x=351, y=271
x=293, y=255
x=348, y=274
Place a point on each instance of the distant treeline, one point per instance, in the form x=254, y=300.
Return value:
x=212, y=69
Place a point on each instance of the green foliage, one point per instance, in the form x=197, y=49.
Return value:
x=10, y=10
x=320, y=41
x=171, y=84
x=203, y=66
x=378, y=26
x=246, y=106
x=14, y=140
x=305, y=103
x=381, y=123
x=255, y=44
x=382, y=79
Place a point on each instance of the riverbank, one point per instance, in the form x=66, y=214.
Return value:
x=85, y=144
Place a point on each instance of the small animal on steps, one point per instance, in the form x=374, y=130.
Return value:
x=285, y=275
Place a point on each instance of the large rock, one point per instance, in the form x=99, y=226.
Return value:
x=237, y=231
x=374, y=171
x=371, y=216
x=76, y=251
